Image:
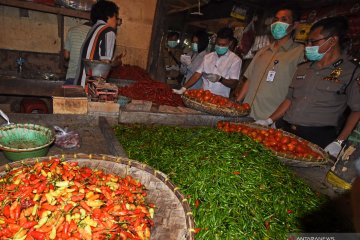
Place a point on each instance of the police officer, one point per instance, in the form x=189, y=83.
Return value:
x=321, y=90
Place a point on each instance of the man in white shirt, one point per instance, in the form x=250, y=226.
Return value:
x=219, y=70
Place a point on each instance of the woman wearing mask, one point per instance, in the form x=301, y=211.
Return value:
x=199, y=45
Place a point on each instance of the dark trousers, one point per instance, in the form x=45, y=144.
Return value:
x=321, y=136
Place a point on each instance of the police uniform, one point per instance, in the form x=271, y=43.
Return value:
x=319, y=97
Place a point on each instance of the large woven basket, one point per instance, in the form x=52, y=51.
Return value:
x=20, y=141
x=212, y=108
x=293, y=160
x=173, y=217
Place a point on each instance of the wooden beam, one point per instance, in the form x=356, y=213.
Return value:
x=189, y=6
x=46, y=8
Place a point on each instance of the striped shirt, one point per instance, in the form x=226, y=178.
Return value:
x=73, y=43
x=98, y=45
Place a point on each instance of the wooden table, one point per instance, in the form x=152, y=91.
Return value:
x=38, y=88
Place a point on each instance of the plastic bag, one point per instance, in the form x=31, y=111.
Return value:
x=66, y=139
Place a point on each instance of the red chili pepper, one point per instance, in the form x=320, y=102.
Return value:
x=85, y=206
x=6, y=211
x=49, y=207
x=13, y=227
x=37, y=235
x=68, y=207
x=76, y=198
x=29, y=224
x=66, y=228
x=196, y=230
x=289, y=211
x=197, y=203
x=236, y=173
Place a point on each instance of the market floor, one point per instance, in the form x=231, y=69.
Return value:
x=335, y=216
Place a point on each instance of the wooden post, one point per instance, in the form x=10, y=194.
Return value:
x=156, y=40
x=61, y=36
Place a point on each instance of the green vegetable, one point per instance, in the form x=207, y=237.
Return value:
x=240, y=189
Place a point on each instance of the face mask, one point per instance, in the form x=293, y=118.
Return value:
x=312, y=53
x=221, y=50
x=194, y=47
x=278, y=29
x=172, y=44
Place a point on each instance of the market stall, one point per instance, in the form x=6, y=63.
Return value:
x=129, y=153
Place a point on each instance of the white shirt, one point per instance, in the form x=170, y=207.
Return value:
x=227, y=66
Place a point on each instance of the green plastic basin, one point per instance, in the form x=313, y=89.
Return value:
x=20, y=141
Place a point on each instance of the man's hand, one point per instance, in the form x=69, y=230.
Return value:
x=266, y=122
x=212, y=77
x=180, y=91
x=185, y=59
x=333, y=148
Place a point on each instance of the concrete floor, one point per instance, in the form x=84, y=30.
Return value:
x=96, y=134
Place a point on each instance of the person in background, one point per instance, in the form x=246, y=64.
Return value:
x=100, y=41
x=74, y=40
x=171, y=56
x=321, y=90
x=190, y=64
x=219, y=70
x=233, y=44
x=267, y=78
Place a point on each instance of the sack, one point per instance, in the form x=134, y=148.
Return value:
x=66, y=139
x=344, y=171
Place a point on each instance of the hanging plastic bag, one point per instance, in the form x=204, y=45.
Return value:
x=66, y=139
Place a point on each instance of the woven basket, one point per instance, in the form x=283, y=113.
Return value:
x=20, y=141
x=173, y=218
x=212, y=108
x=293, y=160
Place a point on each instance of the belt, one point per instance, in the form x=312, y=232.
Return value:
x=295, y=127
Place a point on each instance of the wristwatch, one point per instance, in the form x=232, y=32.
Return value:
x=340, y=142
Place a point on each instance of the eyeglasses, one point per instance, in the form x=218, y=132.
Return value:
x=311, y=42
x=119, y=21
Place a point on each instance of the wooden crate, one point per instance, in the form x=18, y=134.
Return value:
x=68, y=105
x=105, y=107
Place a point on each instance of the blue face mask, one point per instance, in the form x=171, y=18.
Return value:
x=194, y=47
x=221, y=50
x=278, y=29
x=312, y=53
x=172, y=44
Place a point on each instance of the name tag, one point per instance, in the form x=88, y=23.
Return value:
x=271, y=75
x=300, y=77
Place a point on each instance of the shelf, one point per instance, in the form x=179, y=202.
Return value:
x=45, y=8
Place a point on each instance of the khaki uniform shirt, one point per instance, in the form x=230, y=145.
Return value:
x=315, y=100
x=265, y=96
x=172, y=69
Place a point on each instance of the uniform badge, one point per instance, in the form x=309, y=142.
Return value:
x=334, y=75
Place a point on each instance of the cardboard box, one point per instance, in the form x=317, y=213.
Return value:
x=67, y=105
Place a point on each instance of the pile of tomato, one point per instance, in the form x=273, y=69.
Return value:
x=273, y=139
x=208, y=97
x=60, y=200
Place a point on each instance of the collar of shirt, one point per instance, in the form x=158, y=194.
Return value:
x=285, y=47
x=335, y=64
x=100, y=22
